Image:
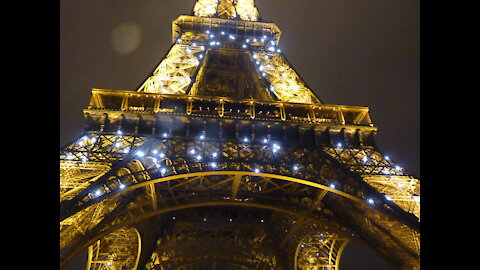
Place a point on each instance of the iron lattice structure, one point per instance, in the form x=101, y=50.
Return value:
x=225, y=159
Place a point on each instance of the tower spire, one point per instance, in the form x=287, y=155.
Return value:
x=227, y=9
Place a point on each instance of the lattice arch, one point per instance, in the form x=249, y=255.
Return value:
x=193, y=175
x=320, y=251
x=118, y=250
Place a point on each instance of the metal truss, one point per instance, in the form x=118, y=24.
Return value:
x=76, y=176
x=177, y=72
x=205, y=8
x=382, y=174
x=320, y=251
x=118, y=250
x=129, y=106
x=261, y=177
x=172, y=174
x=284, y=82
x=90, y=156
x=227, y=9
x=173, y=75
x=98, y=149
x=150, y=175
x=163, y=159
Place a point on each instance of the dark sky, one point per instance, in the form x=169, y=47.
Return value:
x=351, y=52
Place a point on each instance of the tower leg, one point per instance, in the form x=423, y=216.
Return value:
x=118, y=250
x=320, y=251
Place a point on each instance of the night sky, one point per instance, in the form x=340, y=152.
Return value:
x=350, y=52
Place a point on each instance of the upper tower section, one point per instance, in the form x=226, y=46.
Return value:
x=227, y=9
x=223, y=49
x=224, y=63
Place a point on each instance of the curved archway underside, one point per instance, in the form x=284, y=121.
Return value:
x=160, y=176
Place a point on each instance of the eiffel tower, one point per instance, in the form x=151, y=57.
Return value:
x=224, y=158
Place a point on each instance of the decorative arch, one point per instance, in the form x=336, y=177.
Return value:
x=128, y=219
x=162, y=176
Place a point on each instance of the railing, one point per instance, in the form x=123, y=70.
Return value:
x=152, y=103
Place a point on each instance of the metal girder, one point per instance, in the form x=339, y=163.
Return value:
x=227, y=9
x=196, y=157
x=178, y=70
x=145, y=172
x=98, y=150
x=235, y=185
x=382, y=174
x=129, y=106
x=173, y=74
x=320, y=251
x=225, y=121
x=284, y=82
x=118, y=250
x=189, y=168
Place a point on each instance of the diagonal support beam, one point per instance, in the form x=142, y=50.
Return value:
x=235, y=185
x=153, y=196
x=319, y=197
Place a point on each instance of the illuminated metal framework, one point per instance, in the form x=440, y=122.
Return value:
x=224, y=158
x=229, y=9
x=320, y=251
x=118, y=250
x=195, y=38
